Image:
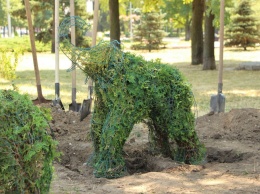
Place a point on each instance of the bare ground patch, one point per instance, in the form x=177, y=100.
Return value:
x=232, y=164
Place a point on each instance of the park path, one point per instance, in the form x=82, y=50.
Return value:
x=46, y=61
x=177, y=51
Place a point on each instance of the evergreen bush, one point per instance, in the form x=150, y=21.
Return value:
x=149, y=33
x=26, y=149
x=22, y=44
x=8, y=63
x=243, y=30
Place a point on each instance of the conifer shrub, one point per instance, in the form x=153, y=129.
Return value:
x=9, y=62
x=26, y=149
x=149, y=33
x=242, y=31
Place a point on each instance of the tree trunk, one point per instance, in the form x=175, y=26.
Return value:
x=208, y=53
x=187, y=29
x=114, y=20
x=15, y=33
x=197, y=32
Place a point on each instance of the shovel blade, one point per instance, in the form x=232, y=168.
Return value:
x=58, y=102
x=75, y=106
x=217, y=103
x=85, y=109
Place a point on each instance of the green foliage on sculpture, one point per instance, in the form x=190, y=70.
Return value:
x=26, y=149
x=128, y=90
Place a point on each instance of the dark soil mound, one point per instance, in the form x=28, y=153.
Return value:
x=237, y=125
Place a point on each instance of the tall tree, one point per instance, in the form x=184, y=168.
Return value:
x=3, y=14
x=149, y=33
x=43, y=15
x=114, y=20
x=256, y=9
x=179, y=13
x=243, y=28
x=211, y=22
x=209, y=39
x=197, y=32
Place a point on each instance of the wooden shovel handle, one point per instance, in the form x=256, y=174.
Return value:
x=221, y=42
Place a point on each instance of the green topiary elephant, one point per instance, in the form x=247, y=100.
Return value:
x=128, y=90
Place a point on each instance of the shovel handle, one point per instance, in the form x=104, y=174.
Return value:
x=94, y=40
x=73, y=41
x=221, y=41
x=56, y=41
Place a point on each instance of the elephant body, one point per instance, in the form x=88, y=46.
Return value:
x=129, y=89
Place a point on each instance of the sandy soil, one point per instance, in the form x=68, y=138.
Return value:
x=232, y=164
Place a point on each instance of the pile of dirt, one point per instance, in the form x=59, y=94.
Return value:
x=238, y=124
x=73, y=136
x=230, y=138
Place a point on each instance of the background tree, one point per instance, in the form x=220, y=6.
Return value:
x=179, y=14
x=103, y=23
x=243, y=28
x=43, y=16
x=80, y=10
x=211, y=25
x=114, y=6
x=150, y=31
x=114, y=20
x=3, y=14
x=151, y=5
x=209, y=39
x=197, y=32
x=256, y=10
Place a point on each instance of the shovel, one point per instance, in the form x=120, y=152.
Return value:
x=40, y=98
x=217, y=102
x=57, y=100
x=74, y=106
x=85, y=109
x=86, y=105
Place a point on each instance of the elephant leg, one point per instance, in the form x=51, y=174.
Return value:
x=98, y=119
x=181, y=126
x=116, y=129
x=158, y=138
x=189, y=149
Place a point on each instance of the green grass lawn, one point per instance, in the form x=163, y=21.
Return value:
x=23, y=43
x=241, y=88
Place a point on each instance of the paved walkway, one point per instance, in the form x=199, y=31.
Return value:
x=46, y=61
x=252, y=65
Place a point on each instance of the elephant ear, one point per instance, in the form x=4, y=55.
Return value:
x=93, y=60
x=101, y=58
x=105, y=53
